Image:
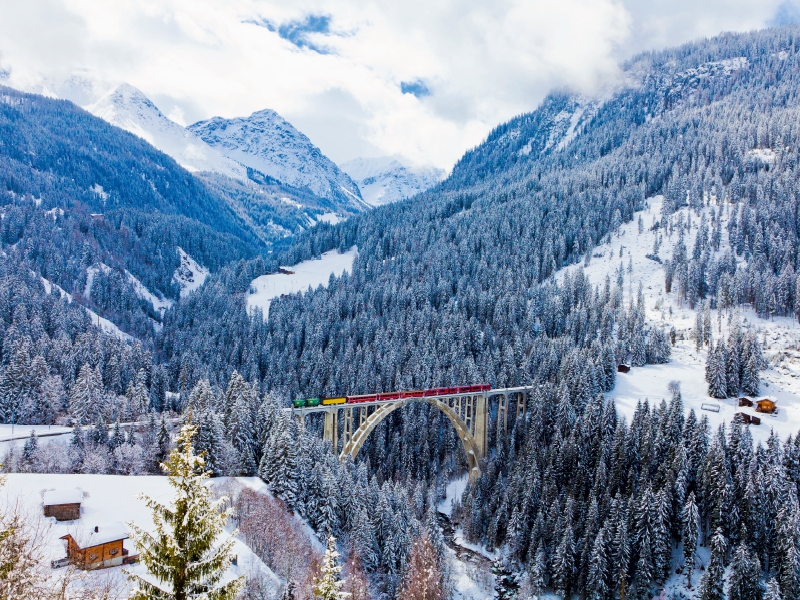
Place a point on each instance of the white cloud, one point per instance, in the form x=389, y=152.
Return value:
x=335, y=68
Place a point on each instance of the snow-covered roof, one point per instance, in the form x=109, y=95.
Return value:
x=56, y=497
x=104, y=534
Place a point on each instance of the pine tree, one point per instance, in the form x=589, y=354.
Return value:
x=279, y=459
x=329, y=586
x=29, y=449
x=744, y=581
x=773, y=591
x=564, y=564
x=86, y=395
x=711, y=584
x=183, y=554
x=596, y=582
x=691, y=530
x=751, y=380
x=717, y=381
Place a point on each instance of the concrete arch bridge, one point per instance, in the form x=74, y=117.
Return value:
x=467, y=412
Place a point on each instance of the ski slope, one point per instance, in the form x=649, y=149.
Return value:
x=780, y=337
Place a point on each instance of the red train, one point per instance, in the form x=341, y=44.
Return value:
x=449, y=391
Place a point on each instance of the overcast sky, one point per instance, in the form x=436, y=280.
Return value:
x=424, y=79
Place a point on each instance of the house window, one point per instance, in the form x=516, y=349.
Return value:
x=114, y=552
x=93, y=557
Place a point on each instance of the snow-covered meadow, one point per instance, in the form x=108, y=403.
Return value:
x=309, y=273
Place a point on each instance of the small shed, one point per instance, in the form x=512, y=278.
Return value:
x=765, y=405
x=745, y=402
x=102, y=547
x=64, y=505
x=623, y=368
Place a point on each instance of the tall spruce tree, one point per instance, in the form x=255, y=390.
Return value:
x=184, y=554
x=711, y=584
x=329, y=585
x=744, y=580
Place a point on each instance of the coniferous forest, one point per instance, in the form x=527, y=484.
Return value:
x=461, y=284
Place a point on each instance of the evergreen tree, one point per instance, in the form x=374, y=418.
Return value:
x=86, y=395
x=751, y=380
x=29, y=449
x=329, y=586
x=597, y=578
x=744, y=580
x=711, y=584
x=773, y=591
x=691, y=531
x=278, y=462
x=183, y=554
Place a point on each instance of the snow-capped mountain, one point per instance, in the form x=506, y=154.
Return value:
x=266, y=142
x=385, y=179
x=128, y=108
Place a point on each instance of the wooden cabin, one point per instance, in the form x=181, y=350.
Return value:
x=64, y=505
x=745, y=418
x=745, y=402
x=102, y=547
x=765, y=405
x=623, y=368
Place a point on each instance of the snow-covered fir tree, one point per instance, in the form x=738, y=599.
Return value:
x=183, y=554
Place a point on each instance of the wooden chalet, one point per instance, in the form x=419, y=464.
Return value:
x=765, y=405
x=101, y=547
x=64, y=505
x=623, y=368
x=745, y=402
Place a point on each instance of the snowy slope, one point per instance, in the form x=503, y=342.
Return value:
x=298, y=278
x=109, y=501
x=687, y=365
x=128, y=108
x=386, y=179
x=189, y=275
x=101, y=322
x=266, y=142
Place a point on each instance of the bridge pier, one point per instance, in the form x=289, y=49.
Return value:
x=330, y=431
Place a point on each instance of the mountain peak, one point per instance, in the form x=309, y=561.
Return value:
x=266, y=142
x=386, y=179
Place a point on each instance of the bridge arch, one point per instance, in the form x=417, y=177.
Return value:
x=468, y=441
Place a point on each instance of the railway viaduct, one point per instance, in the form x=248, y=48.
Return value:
x=468, y=413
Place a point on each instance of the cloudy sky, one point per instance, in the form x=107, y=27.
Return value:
x=419, y=78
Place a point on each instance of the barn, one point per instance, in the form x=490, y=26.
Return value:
x=98, y=548
x=64, y=505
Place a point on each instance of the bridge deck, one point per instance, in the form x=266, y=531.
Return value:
x=305, y=410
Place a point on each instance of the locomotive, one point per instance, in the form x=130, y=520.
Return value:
x=448, y=391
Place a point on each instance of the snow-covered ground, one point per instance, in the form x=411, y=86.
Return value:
x=453, y=492
x=687, y=365
x=309, y=273
x=108, y=501
x=189, y=275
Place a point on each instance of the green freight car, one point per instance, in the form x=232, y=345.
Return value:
x=309, y=402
